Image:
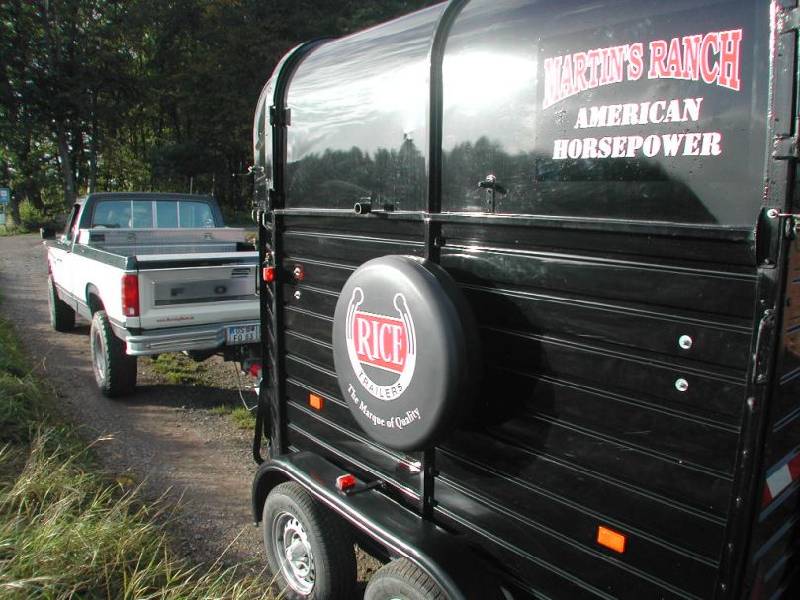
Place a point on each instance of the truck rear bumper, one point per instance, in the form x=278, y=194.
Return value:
x=177, y=339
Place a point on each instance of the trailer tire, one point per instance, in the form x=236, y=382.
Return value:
x=114, y=370
x=325, y=563
x=62, y=316
x=404, y=580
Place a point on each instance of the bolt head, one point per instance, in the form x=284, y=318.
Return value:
x=681, y=384
x=685, y=342
x=297, y=295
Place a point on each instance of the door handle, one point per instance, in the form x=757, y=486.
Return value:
x=492, y=187
x=491, y=183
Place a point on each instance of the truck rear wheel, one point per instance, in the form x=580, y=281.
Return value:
x=402, y=580
x=309, y=549
x=62, y=316
x=114, y=371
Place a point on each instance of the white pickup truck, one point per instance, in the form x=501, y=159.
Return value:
x=153, y=273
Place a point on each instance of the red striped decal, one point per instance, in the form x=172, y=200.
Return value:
x=784, y=473
x=794, y=467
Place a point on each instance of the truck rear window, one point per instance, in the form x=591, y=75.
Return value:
x=149, y=214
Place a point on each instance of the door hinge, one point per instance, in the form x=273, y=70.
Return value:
x=784, y=147
x=791, y=20
x=281, y=117
x=274, y=199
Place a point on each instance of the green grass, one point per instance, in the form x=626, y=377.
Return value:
x=243, y=418
x=66, y=529
x=178, y=369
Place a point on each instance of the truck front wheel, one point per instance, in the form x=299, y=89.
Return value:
x=62, y=316
x=309, y=548
x=114, y=371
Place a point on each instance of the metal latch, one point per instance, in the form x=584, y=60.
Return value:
x=792, y=221
x=760, y=354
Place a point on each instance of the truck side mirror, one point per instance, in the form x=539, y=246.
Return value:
x=47, y=233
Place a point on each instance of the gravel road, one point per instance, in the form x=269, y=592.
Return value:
x=163, y=436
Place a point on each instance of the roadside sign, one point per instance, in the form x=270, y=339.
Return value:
x=5, y=195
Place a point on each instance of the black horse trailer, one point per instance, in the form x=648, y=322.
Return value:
x=531, y=303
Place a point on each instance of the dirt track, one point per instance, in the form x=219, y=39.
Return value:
x=163, y=435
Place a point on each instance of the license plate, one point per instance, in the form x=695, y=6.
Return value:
x=243, y=334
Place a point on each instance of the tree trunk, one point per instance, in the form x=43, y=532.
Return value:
x=93, y=147
x=65, y=161
x=13, y=203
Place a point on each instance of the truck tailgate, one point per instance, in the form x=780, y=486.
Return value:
x=197, y=289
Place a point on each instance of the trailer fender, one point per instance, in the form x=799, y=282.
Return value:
x=403, y=533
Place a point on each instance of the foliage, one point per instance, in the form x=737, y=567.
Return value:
x=178, y=369
x=144, y=94
x=65, y=529
x=30, y=217
x=242, y=418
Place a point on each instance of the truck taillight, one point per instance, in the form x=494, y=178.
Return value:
x=130, y=295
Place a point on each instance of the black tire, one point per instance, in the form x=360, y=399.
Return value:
x=62, y=316
x=328, y=546
x=114, y=371
x=403, y=580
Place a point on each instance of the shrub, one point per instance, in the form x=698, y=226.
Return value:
x=30, y=217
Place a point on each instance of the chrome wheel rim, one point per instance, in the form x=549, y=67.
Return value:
x=97, y=352
x=294, y=553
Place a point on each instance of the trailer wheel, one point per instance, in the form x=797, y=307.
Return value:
x=62, y=316
x=402, y=580
x=114, y=371
x=309, y=549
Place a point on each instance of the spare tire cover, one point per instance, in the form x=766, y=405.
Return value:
x=405, y=350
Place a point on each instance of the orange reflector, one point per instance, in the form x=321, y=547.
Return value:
x=611, y=539
x=269, y=274
x=316, y=402
x=345, y=482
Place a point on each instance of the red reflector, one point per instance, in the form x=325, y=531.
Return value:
x=130, y=295
x=345, y=482
x=255, y=370
x=268, y=273
x=611, y=539
x=316, y=402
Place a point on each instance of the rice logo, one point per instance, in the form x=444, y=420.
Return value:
x=384, y=342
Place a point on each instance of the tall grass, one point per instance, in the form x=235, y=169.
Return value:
x=68, y=531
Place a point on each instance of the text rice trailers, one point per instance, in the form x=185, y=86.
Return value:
x=533, y=282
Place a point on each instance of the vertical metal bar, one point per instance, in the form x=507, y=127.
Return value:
x=736, y=574
x=433, y=230
x=258, y=434
x=279, y=123
x=277, y=406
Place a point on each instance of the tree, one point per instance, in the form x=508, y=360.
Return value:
x=146, y=94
